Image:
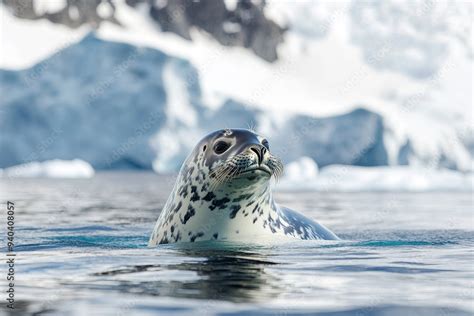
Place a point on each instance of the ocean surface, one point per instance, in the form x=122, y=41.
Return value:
x=81, y=250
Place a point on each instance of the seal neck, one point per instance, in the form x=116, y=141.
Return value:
x=245, y=191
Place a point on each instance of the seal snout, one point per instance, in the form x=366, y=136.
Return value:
x=259, y=151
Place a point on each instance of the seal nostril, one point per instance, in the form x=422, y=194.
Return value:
x=259, y=152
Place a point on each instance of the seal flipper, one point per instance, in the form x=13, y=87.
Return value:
x=304, y=227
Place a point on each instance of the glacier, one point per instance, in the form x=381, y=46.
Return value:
x=131, y=107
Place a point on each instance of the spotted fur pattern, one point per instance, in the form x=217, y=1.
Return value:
x=204, y=205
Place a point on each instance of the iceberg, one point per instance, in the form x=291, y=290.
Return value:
x=301, y=170
x=70, y=169
x=346, y=178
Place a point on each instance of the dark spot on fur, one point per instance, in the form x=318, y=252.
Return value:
x=190, y=171
x=209, y=196
x=255, y=219
x=195, y=197
x=176, y=209
x=272, y=229
x=220, y=203
x=215, y=235
x=242, y=197
x=288, y=230
x=177, y=237
x=234, y=209
x=255, y=208
x=183, y=191
x=170, y=217
x=190, y=213
x=172, y=228
x=278, y=223
x=193, y=238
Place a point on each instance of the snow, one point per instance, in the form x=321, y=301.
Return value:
x=178, y=101
x=42, y=7
x=104, y=10
x=230, y=4
x=51, y=169
x=345, y=178
x=24, y=42
x=304, y=80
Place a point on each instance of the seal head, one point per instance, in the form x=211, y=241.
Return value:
x=223, y=192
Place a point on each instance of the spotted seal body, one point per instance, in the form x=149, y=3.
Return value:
x=223, y=192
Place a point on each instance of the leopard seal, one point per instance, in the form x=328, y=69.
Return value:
x=223, y=192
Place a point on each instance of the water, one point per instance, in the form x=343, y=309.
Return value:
x=81, y=250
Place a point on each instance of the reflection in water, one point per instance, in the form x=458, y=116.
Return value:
x=229, y=274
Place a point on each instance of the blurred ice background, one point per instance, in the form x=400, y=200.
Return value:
x=376, y=93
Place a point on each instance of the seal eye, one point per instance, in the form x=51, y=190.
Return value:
x=265, y=143
x=220, y=147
